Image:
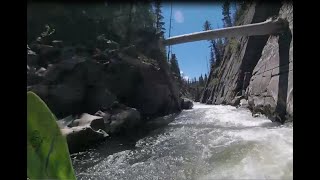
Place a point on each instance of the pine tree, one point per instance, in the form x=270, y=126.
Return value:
x=174, y=66
x=213, y=48
x=226, y=14
x=212, y=58
x=201, y=81
x=205, y=78
x=219, y=47
x=159, y=18
x=207, y=25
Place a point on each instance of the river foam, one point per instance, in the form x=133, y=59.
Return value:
x=206, y=142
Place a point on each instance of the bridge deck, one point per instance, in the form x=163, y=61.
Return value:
x=264, y=28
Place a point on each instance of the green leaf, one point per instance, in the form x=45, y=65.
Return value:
x=47, y=149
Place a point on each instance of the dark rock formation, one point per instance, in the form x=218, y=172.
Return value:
x=124, y=121
x=77, y=84
x=186, y=103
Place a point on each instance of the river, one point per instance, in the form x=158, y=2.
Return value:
x=206, y=142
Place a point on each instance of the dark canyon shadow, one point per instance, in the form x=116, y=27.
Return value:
x=284, y=48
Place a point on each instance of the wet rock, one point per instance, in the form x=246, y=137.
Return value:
x=41, y=71
x=95, y=122
x=236, y=101
x=83, y=131
x=244, y=103
x=186, y=103
x=65, y=122
x=125, y=120
x=80, y=137
x=105, y=115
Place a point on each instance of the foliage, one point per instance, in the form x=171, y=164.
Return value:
x=214, y=82
x=159, y=17
x=205, y=78
x=201, y=81
x=174, y=66
x=234, y=45
x=240, y=11
x=47, y=150
x=81, y=23
x=226, y=14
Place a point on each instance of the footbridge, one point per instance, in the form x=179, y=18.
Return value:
x=269, y=27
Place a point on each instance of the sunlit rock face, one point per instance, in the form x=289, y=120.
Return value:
x=260, y=68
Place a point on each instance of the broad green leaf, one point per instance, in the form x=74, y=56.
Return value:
x=48, y=154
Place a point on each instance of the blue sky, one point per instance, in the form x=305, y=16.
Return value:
x=193, y=57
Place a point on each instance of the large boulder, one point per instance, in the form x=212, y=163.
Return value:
x=236, y=101
x=141, y=85
x=244, y=103
x=82, y=132
x=186, y=103
x=124, y=121
x=76, y=85
x=105, y=115
x=80, y=137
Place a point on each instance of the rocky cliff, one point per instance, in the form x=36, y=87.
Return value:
x=122, y=87
x=78, y=83
x=258, y=68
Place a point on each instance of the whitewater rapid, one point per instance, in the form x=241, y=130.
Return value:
x=206, y=142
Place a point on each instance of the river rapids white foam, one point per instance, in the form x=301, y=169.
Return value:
x=206, y=142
